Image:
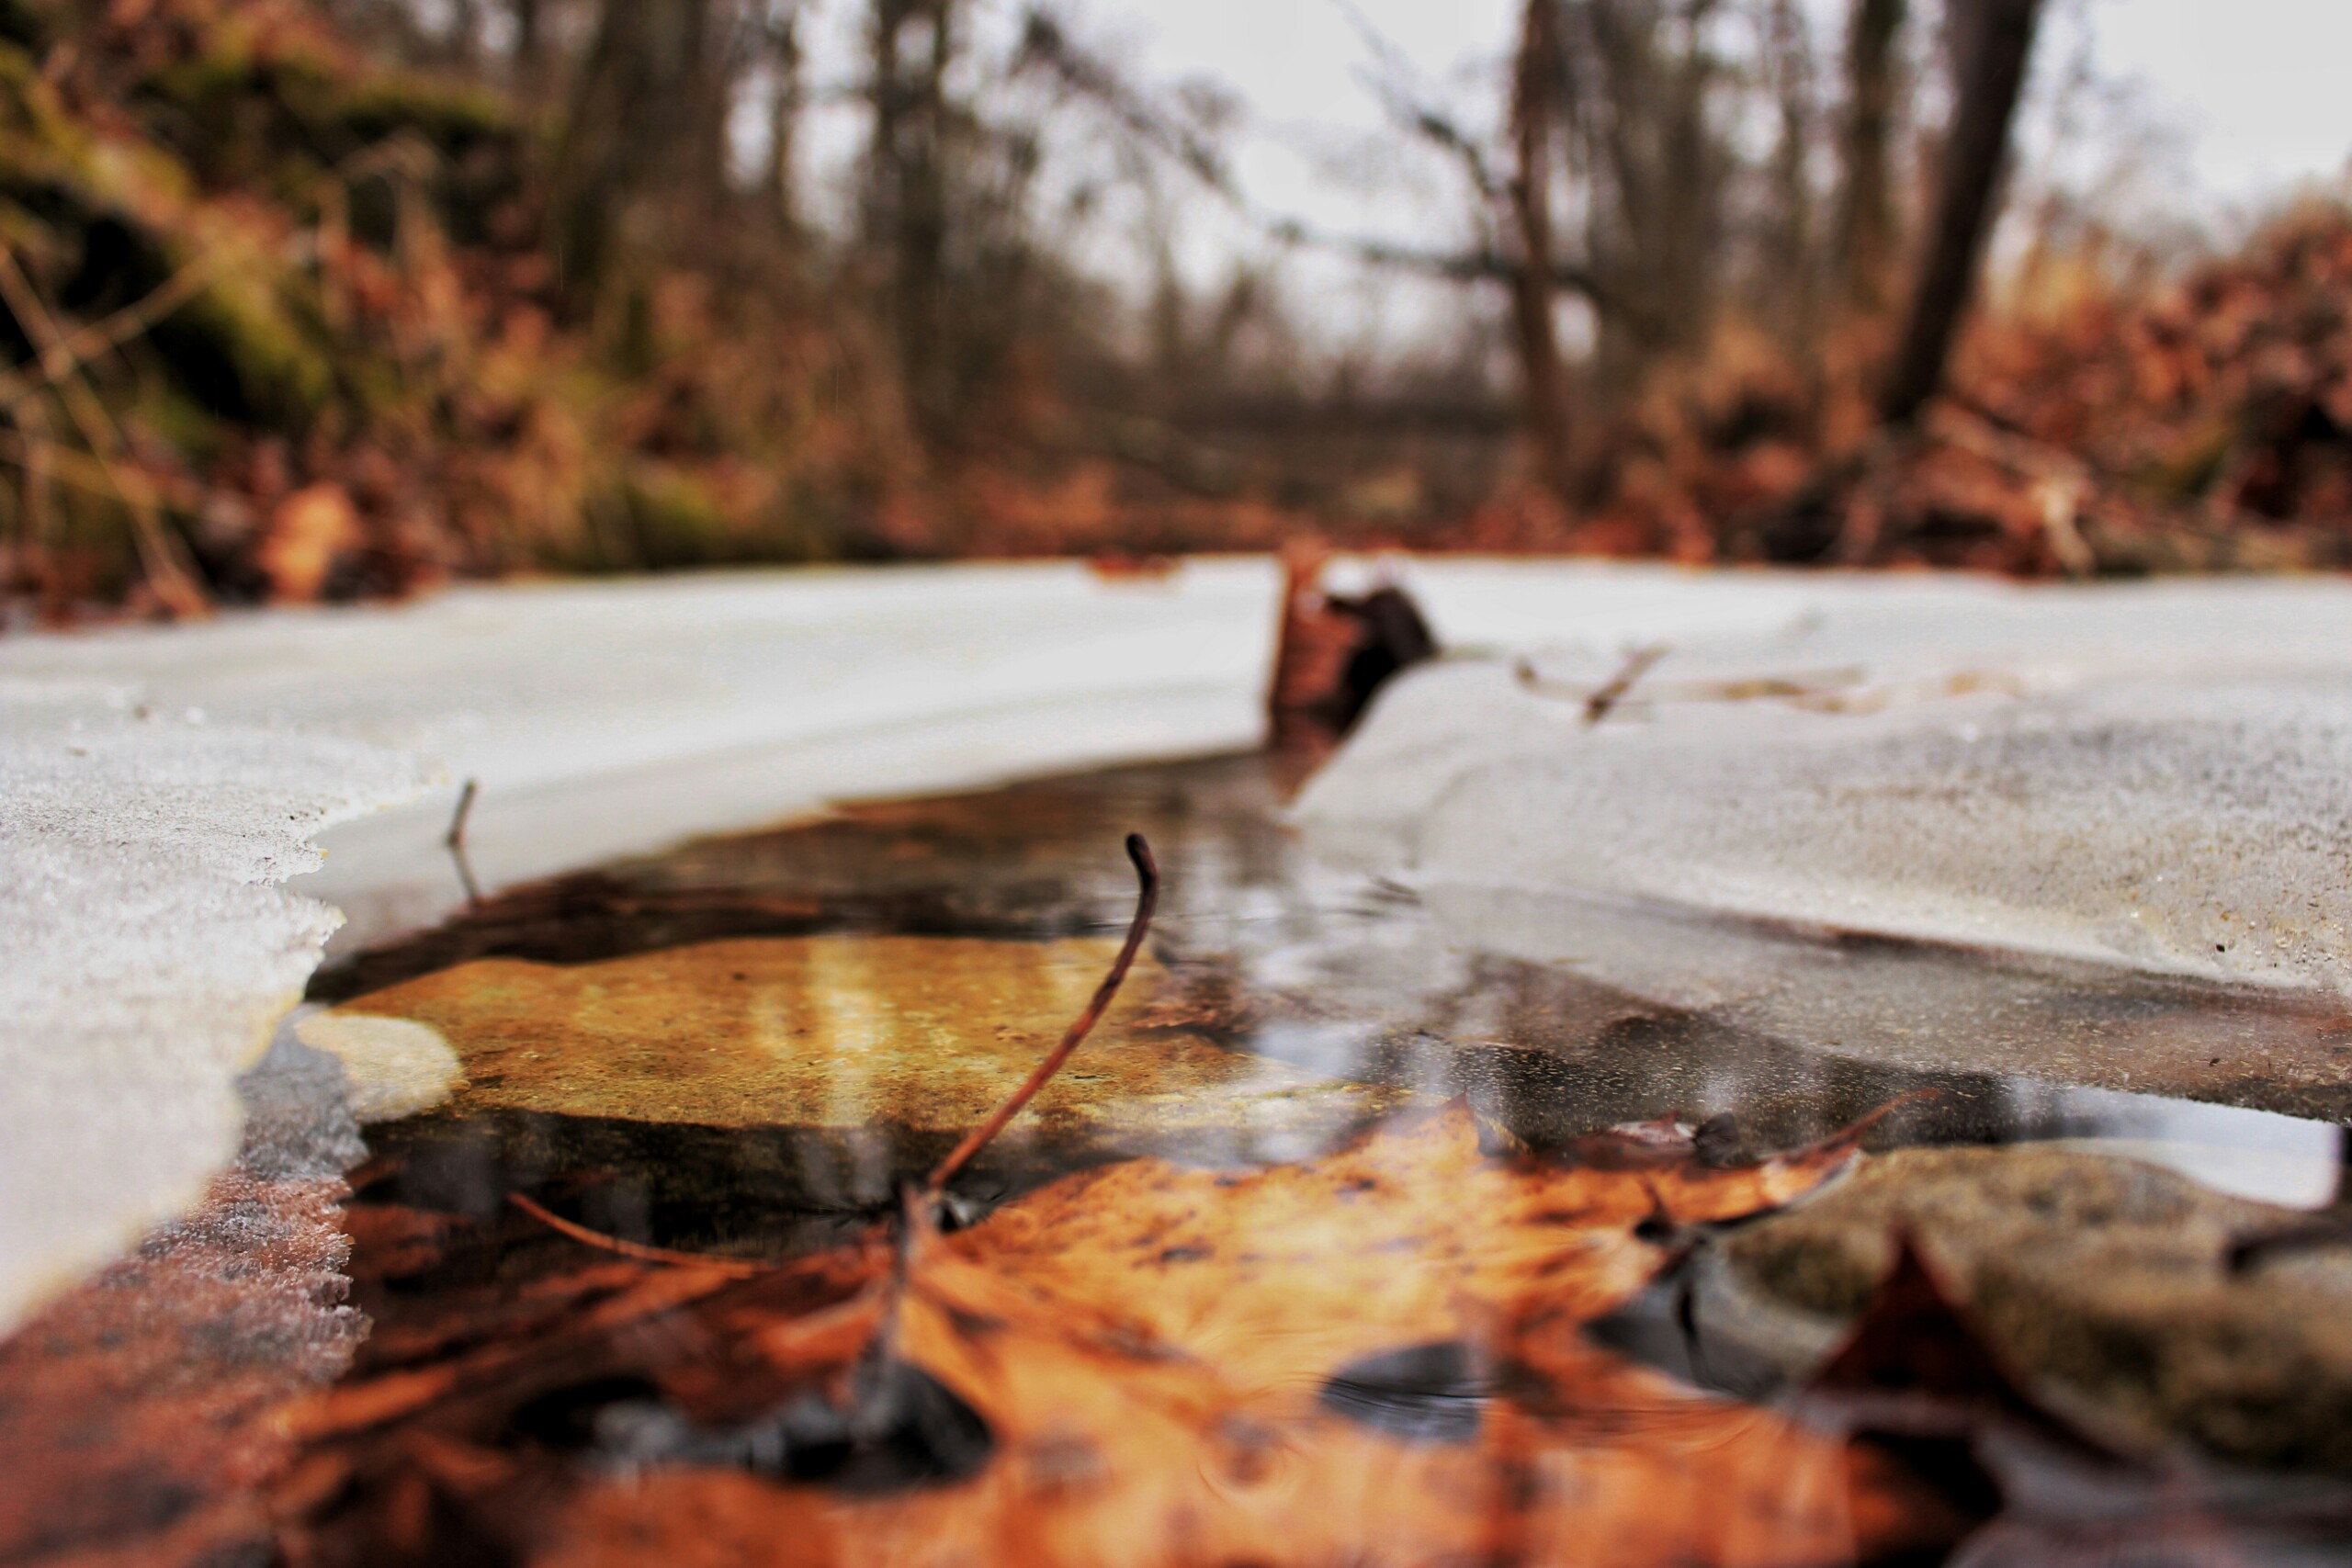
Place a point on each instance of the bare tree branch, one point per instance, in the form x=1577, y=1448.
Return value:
x=1048, y=46
x=159, y=556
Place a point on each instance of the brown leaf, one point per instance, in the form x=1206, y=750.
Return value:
x=307, y=531
x=1376, y=1356
x=1914, y=1363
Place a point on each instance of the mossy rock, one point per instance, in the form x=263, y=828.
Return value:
x=252, y=345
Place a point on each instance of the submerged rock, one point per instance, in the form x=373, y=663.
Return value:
x=2105, y=1282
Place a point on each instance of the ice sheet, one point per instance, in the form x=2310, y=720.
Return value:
x=2156, y=776
x=145, y=953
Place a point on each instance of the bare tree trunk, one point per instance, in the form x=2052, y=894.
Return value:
x=527, y=64
x=780, y=181
x=464, y=33
x=906, y=216
x=642, y=153
x=1657, y=215
x=1795, y=246
x=1691, y=182
x=1866, y=197
x=1997, y=43
x=1543, y=377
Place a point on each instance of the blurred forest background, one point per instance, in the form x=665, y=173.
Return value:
x=325, y=298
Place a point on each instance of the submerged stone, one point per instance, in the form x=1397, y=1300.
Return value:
x=2107, y=1281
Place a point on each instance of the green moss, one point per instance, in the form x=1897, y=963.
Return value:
x=38, y=141
x=252, y=345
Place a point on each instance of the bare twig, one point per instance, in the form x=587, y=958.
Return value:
x=1481, y=266
x=1611, y=692
x=166, y=572
x=1146, y=900
x=30, y=449
x=454, y=841
x=1046, y=45
x=1392, y=83
x=112, y=331
x=1045, y=42
x=737, y=1268
x=1810, y=686
x=456, y=836
x=32, y=452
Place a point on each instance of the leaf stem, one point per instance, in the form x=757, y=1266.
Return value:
x=735, y=1268
x=1147, y=900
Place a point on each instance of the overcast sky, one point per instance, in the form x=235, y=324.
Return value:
x=2260, y=86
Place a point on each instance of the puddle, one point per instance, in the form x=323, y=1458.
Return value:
x=1285, y=961
x=743, y=1043
x=743, y=1046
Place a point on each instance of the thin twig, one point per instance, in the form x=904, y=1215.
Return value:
x=171, y=579
x=1612, y=690
x=1809, y=687
x=34, y=455
x=456, y=836
x=2062, y=481
x=455, y=840
x=136, y=318
x=28, y=449
x=1146, y=900
x=737, y=1268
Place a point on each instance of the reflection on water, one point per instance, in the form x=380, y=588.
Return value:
x=789, y=1020
x=2246, y=1153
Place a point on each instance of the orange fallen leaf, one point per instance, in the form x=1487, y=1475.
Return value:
x=1375, y=1357
x=306, y=533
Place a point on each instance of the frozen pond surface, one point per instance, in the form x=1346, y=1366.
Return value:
x=2155, y=776
x=1310, y=968
x=2072, y=860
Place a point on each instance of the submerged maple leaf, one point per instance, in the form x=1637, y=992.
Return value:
x=1375, y=1357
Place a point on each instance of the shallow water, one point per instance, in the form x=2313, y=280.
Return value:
x=744, y=1045
x=1270, y=978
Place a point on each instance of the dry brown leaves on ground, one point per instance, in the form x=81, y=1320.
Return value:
x=1376, y=1356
